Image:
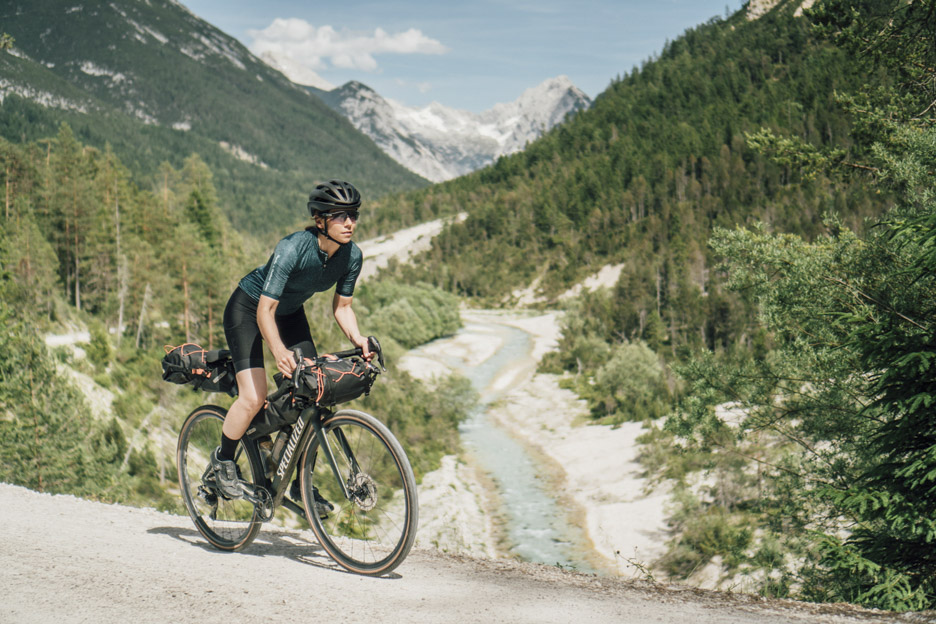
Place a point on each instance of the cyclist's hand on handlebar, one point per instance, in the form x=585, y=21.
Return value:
x=286, y=362
x=364, y=344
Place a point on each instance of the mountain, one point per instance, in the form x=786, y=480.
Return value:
x=157, y=83
x=441, y=143
x=642, y=178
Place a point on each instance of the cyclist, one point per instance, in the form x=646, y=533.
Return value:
x=267, y=306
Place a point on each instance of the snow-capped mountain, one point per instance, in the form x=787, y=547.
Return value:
x=441, y=143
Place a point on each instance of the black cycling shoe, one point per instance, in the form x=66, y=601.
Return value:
x=322, y=506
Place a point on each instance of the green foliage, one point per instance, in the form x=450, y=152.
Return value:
x=889, y=35
x=411, y=314
x=848, y=384
x=842, y=574
x=159, y=265
x=628, y=386
x=50, y=442
x=622, y=381
x=645, y=175
x=99, y=349
x=705, y=534
x=157, y=84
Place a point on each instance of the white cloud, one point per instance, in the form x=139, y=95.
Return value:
x=322, y=47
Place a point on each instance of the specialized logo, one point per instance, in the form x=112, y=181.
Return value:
x=290, y=448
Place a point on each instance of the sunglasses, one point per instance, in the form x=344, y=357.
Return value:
x=342, y=215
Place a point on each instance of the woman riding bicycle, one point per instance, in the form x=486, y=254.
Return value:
x=267, y=306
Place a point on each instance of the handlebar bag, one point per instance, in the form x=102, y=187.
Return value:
x=330, y=382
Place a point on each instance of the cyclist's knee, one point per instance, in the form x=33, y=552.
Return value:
x=252, y=385
x=252, y=404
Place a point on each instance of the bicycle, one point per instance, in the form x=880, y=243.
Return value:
x=347, y=456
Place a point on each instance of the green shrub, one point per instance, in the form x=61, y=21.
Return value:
x=410, y=314
x=706, y=534
x=99, y=349
x=630, y=385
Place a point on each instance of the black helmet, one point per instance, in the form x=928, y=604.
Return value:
x=334, y=195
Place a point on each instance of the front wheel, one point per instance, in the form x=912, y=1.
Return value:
x=372, y=530
x=227, y=524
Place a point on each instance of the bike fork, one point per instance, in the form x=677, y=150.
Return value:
x=326, y=449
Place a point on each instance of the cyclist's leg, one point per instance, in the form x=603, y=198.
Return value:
x=251, y=393
x=245, y=343
x=294, y=332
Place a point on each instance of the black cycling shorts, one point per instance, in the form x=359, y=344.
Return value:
x=243, y=334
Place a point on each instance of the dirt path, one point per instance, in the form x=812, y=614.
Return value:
x=65, y=559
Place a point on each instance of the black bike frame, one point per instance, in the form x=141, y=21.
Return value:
x=299, y=441
x=300, y=437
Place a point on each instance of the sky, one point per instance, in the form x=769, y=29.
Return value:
x=468, y=55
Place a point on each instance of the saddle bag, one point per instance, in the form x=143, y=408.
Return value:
x=210, y=371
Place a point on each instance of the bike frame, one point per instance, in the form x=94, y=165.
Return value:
x=299, y=439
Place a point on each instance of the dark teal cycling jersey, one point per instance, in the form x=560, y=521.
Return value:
x=298, y=269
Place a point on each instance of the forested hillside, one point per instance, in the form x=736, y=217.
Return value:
x=643, y=177
x=83, y=247
x=768, y=187
x=157, y=84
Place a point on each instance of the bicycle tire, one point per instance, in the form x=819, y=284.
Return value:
x=229, y=525
x=372, y=533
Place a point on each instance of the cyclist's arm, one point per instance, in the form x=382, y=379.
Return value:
x=347, y=321
x=266, y=309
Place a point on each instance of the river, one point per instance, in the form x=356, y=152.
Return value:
x=494, y=356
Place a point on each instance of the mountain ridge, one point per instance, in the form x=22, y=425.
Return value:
x=439, y=142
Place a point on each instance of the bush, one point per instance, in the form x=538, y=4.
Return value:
x=410, y=314
x=99, y=349
x=705, y=534
x=630, y=385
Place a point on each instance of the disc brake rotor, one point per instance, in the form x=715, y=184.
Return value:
x=363, y=491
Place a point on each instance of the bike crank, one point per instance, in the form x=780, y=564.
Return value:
x=257, y=495
x=262, y=500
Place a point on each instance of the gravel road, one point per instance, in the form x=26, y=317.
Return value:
x=63, y=559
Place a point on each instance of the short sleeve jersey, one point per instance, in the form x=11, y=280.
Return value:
x=299, y=268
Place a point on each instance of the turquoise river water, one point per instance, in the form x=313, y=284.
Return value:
x=537, y=527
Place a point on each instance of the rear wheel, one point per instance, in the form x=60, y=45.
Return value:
x=373, y=530
x=227, y=524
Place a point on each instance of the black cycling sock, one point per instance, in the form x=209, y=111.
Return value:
x=228, y=448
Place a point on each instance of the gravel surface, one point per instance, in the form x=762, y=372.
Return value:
x=65, y=559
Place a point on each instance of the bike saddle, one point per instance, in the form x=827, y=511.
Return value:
x=218, y=355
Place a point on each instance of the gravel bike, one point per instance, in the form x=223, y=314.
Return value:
x=347, y=456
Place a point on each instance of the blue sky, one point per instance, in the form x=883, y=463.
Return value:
x=468, y=55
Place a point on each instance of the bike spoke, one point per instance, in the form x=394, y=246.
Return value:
x=373, y=530
x=227, y=524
